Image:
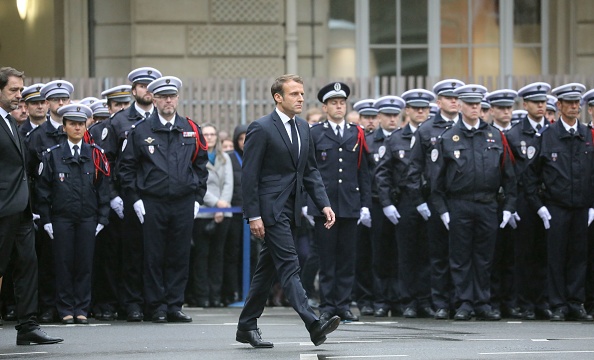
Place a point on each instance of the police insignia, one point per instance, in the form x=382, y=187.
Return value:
x=104, y=133
x=523, y=147
x=531, y=152
x=151, y=149
x=412, y=142
x=554, y=156
x=376, y=157
x=490, y=134
x=433, y=140
x=149, y=140
x=381, y=151
x=401, y=153
x=189, y=134
x=124, y=144
x=434, y=155
x=61, y=176
x=40, y=168
x=324, y=154
x=457, y=154
x=455, y=138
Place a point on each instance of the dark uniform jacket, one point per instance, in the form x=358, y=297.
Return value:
x=376, y=144
x=472, y=165
x=563, y=170
x=25, y=128
x=348, y=185
x=39, y=140
x=71, y=190
x=392, y=169
x=157, y=163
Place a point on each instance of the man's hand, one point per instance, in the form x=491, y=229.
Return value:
x=364, y=217
x=139, y=210
x=392, y=214
x=117, y=204
x=309, y=218
x=49, y=229
x=545, y=215
x=257, y=228
x=99, y=228
x=196, y=209
x=423, y=209
x=330, y=217
x=445, y=218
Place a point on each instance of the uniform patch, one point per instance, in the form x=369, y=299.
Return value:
x=151, y=149
x=40, y=168
x=376, y=157
x=61, y=176
x=124, y=144
x=523, y=147
x=554, y=156
x=531, y=152
x=434, y=155
x=433, y=140
x=189, y=134
x=401, y=153
x=412, y=141
x=457, y=154
x=455, y=138
x=381, y=151
x=149, y=140
x=104, y=133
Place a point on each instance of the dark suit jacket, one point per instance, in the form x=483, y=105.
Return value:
x=270, y=174
x=14, y=190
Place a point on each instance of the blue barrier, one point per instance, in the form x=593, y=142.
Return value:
x=245, y=275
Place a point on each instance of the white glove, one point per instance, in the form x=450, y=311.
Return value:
x=445, y=217
x=196, y=209
x=392, y=214
x=49, y=229
x=545, y=215
x=139, y=210
x=117, y=204
x=513, y=220
x=423, y=209
x=506, y=216
x=36, y=216
x=308, y=217
x=99, y=228
x=590, y=216
x=365, y=217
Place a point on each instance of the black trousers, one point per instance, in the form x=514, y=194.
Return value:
x=167, y=231
x=278, y=256
x=473, y=231
x=363, y=291
x=442, y=289
x=17, y=241
x=386, y=292
x=503, y=290
x=132, y=292
x=47, y=277
x=232, y=255
x=74, y=246
x=107, y=268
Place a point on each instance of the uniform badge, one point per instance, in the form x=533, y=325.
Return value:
x=434, y=155
x=401, y=153
x=324, y=154
x=457, y=154
x=376, y=157
x=523, y=147
x=149, y=140
x=151, y=149
x=531, y=152
x=381, y=151
x=490, y=134
x=104, y=133
x=124, y=144
x=61, y=176
x=455, y=138
x=554, y=156
x=189, y=134
x=412, y=141
x=433, y=140
x=325, y=125
x=40, y=168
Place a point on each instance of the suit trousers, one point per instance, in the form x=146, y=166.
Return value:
x=278, y=256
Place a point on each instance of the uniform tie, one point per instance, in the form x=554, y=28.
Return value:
x=168, y=125
x=76, y=155
x=572, y=131
x=294, y=140
x=339, y=132
x=538, y=127
x=147, y=114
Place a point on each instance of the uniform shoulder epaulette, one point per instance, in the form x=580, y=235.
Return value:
x=48, y=150
x=31, y=131
x=137, y=123
x=97, y=147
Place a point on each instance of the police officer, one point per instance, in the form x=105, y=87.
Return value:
x=485, y=107
x=472, y=161
x=36, y=108
x=563, y=171
x=529, y=238
x=419, y=176
x=551, y=113
x=73, y=202
x=163, y=174
x=518, y=115
x=364, y=277
x=132, y=299
x=588, y=101
x=341, y=154
x=411, y=234
x=118, y=98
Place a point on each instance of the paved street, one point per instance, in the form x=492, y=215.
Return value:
x=212, y=336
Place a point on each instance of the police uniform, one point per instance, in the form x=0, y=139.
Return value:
x=342, y=162
x=411, y=230
x=418, y=185
x=563, y=171
x=118, y=127
x=552, y=103
x=588, y=102
x=471, y=166
x=529, y=237
x=517, y=116
x=38, y=140
x=163, y=174
x=30, y=93
x=73, y=202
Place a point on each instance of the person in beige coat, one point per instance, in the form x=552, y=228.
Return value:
x=210, y=229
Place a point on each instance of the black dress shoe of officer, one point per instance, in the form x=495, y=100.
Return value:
x=366, y=311
x=10, y=314
x=348, y=316
x=409, y=313
x=252, y=337
x=579, y=314
x=442, y=314
x=159, y=317
x=491, y=315
x=48, y=316
x=529, y=315
x=81, y=320
x=558, y=315
x=462, y=315
x=325, y=316
x=318, y=331
x=426, y=312
x=36, y=336
x=543, y=314
x=107, y=315
x=134, y=316
x=513, y=313
x=381, y=312
x=178, y=316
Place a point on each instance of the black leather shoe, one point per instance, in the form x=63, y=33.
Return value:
x=366, y=311
x=409, y=313
x=529, y=315
x=462, y=315
x=381, y=312
x=579, y=314
x=107, y=315
x=348, y=316
x=491, y=315
x=252, y=337
x=10, y=314
x=178, y=316
x=318, y=331
x=48, y=316
x=558, y=315
x=81, y=320
x=426, y=312
x=325, y=316
x=442, y=314
x=36, y=336
x=543, y=314
x=513, y=313
x=134, y=316
x=159, y=317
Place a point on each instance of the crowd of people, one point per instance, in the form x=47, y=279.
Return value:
x=442, y=203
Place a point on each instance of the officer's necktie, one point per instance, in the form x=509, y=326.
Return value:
x=572, y=131
x=538, y=127
x=147, y=114
x=339, y=132
x=76, y=155
x=168, y=125
x=294, y=140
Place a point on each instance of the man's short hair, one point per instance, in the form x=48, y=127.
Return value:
x=7, y=72
x=277, y=86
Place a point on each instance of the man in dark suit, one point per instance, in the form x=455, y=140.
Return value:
x=278, y=168
x=16, y=225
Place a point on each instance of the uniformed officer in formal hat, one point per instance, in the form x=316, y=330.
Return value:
x=36, y=108
x=88, y=101
x=73, y=202
x=418, y=185
x=131, y=296
x=100, y=110
x=163, y=174
x=341, y=154
x=118, y=97
x=551, y=113
x=411, y=231
x=57, y=93
x=485, y=106
x=433, y=110
x=367, y=114
x=588, y=102
x=560, y=187
x=501, y=104
x=384, y=267
x=472, y=162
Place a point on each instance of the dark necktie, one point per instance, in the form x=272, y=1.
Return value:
x=572, y=131
x=538, y=127
x=76, y=155
x=147, y=114
x=168, y=126
x=294, y=140
x=338, y=132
